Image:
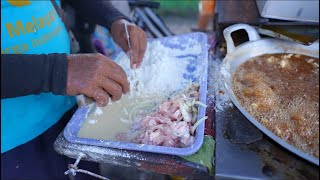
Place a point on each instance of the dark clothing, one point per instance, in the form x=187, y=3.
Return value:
x=25, y=74
x=37, y=159
x=97, y=11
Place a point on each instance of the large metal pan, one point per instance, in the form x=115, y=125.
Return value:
x=254, y=47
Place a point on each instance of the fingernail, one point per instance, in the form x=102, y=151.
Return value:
x=134, y=66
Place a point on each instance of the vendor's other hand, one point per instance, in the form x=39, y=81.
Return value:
x=138, y=41
x=96, y=76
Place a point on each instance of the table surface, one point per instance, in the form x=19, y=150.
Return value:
x=158, y=163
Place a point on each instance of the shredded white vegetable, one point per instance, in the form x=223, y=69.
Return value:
x=201, y=104
x=194, y=109
x=126, y=121
x=135, y=111
x=186, y=107
x=194, y=127
x=193, y=101
x=184, y=113
x=194, y=117
x=188, y=103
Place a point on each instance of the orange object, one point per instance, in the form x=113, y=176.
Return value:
x=176, y=178
x=206, y=12
x=206, y=7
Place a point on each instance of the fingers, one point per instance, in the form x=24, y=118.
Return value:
x=115, y=73
x=112, y=88
x=118, y=68
x=134, y=51
x=124, y=42
x=94, y=75
x=138, y=40
x=118, y=78
x=142, y=47
x=101, y=97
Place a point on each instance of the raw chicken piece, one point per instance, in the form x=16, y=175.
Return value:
x=159, y=126
x=171, y=124
x=136, y=125
x=149, y=122
x=187, y=141
x=176, y=115
x=173, y=109
x=169, y=132
x=165, y=106
x=171, y=142
x=171, y=115
x=146, y=138
x=158, y=137
x=152, y=122
x=159, y=118
x=180, y=128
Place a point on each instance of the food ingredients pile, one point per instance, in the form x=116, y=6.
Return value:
x=163, y=73
x=173, y=123
x=168, y=68
x=162, y=70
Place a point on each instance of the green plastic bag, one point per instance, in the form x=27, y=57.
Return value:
x=204, y=155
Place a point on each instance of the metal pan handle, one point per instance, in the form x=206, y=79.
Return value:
x=252, y=34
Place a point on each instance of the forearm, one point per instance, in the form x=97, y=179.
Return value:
x=97, y=11
x=23, y=74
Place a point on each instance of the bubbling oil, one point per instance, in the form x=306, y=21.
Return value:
x=281, y=91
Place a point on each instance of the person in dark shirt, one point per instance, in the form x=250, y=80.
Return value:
x=38, y=82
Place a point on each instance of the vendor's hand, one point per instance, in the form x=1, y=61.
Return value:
x=138, y=41
x=96, y=76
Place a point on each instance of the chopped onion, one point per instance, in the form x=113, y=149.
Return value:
x=194, y=118
x=194, y=127
x=125, y=111
x=194, y=109
x=184, y=113
x=196, y=84
x=201, y=104
x=186, y=107
x=135, y=111
x=189, y=104
x=125, y=121
x=180, y=118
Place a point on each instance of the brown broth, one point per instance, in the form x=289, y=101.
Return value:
x=282, y=92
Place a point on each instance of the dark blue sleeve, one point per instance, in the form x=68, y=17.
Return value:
x=23, y=74
x=97, y=11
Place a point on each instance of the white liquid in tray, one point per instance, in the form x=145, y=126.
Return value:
x=104, y=123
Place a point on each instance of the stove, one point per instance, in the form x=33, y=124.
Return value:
x=242, y=150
